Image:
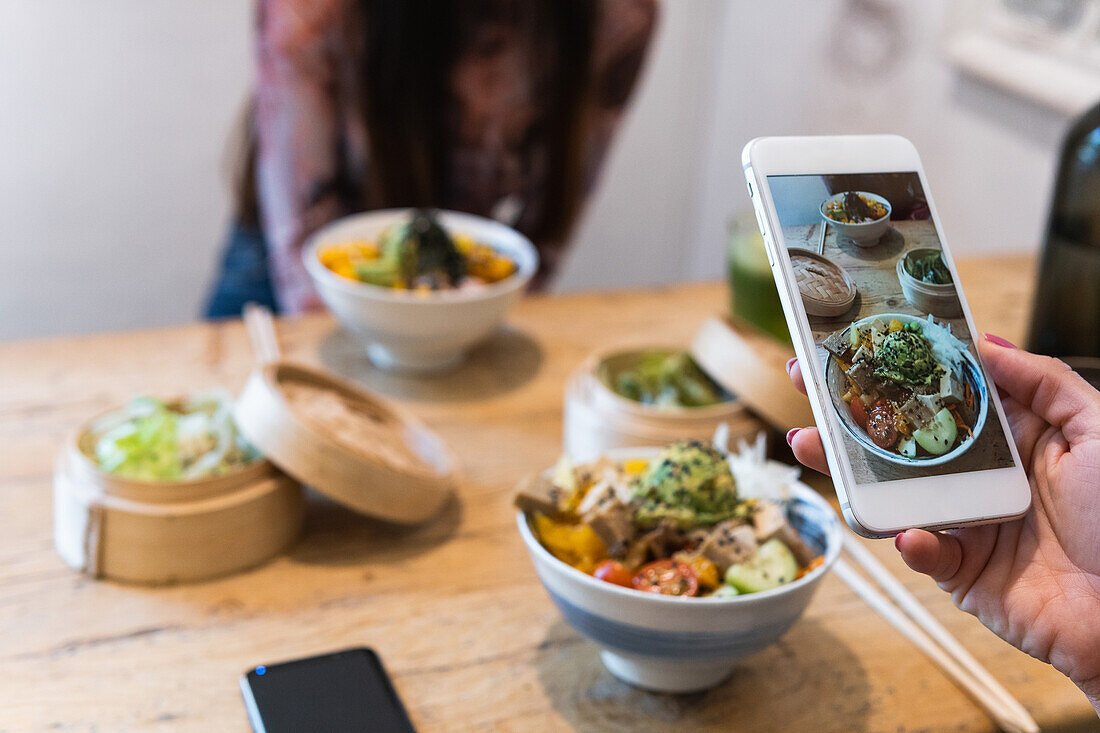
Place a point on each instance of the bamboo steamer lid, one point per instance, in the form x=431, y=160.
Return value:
x=752, y=366
x=160, y=532
x=346, y=442
x=826, y=287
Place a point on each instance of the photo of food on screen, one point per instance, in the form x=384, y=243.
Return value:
x=882, y=305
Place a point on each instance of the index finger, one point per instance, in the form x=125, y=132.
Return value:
x=795, y=372
x=1046, y=386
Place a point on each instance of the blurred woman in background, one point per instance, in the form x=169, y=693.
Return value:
x=501, y=108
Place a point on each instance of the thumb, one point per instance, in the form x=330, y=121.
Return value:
x=939, y=556
x=1044, y=385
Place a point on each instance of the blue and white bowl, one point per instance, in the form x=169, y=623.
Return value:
x=673, y=644
x=838, y=385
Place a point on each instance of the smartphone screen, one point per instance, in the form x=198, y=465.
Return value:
x=900, y=366
x=345, y=691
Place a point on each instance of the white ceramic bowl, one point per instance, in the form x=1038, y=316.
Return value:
x=866, y=234
x=838, y=385
x=939, y=300
x=684, y=644
x=407, y=331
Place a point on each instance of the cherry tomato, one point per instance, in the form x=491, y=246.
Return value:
x=667, y=577
x=859, y=412
x=614, y=572
x=881, y=426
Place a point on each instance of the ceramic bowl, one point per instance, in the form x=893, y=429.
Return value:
x=685, y=644
x=838, y=385
x=416, y=332
x=939, y=300
x=866, y=234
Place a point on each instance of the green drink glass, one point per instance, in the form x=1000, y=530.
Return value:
x=754, y=299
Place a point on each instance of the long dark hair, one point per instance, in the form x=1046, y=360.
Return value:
x=403, y=69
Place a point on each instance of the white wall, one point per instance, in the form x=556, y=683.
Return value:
x=115, y=116
x=989, y=156
x=639, y=228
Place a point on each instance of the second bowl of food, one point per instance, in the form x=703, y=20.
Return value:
x=927, y=283
x=634, y=396
x=674, y=560
x=420, y=288
x=859, y=216
x=906, y=389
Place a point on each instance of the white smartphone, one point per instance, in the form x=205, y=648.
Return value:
x=914, y=431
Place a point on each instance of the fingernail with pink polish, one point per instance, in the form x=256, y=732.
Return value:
x=791, y=434
x=790, y=364
x=999, y=341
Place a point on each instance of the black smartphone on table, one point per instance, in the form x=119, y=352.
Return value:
x=340, y=692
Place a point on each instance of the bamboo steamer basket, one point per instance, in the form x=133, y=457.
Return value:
x=162, y=532
x=597, y=420
x=403, y=473
x=826, y=287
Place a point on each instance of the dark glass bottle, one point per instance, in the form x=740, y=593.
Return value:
x=1066, y=317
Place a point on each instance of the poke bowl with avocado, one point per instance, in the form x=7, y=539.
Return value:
x=906, y=389
x=419, y=287
x=418, y=254
x=677, y=561
x=859, y=216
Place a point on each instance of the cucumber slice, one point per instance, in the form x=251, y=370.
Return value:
x=938, y=436
x=908, y=447
x=726, y=591
x=772, y=566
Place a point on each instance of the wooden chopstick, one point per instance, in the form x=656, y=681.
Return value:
x=1001, y=714
x=1010, y=717
x=260, y=326
x=934, y=628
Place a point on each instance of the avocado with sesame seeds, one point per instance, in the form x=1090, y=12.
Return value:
x=905, y=357
x=689, y=483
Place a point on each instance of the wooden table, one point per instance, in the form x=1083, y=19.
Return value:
x=454, y=608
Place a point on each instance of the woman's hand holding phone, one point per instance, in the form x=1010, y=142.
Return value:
x=1035, y=581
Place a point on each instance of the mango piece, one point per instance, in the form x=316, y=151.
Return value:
x=575, y=544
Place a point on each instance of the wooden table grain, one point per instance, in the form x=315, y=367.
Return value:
x=454, y=607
